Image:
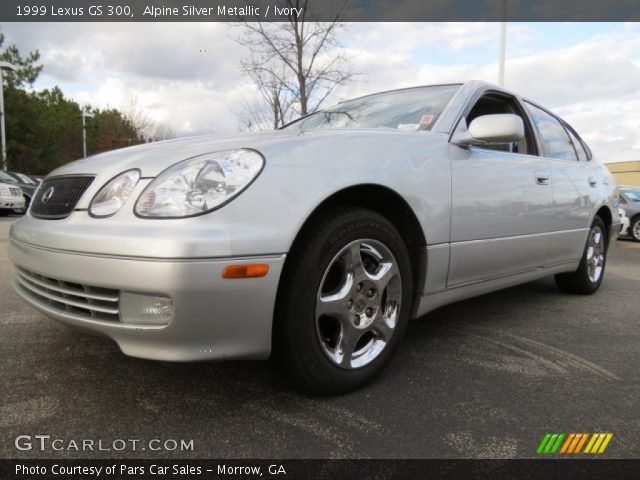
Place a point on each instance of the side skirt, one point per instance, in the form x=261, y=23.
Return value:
x=429, y=302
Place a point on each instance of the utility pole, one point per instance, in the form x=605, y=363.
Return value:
x=84, y=132
x=3, y=66
x=503, y=43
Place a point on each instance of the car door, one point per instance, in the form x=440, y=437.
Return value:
x=574, y=183
x=501, y=205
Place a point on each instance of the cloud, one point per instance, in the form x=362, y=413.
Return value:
x=188, y=74
x=593, y=84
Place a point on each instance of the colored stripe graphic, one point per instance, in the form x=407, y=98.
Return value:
x=557, y=444
x=605, y=442
x=550, y=443
x=543, y=443
x=568, y=442
x=598, y=442
x=581, y=443
x=591, y=442
x=573, y=443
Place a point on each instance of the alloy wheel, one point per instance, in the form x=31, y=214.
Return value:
x=595, y=254
x=358, y=303
x=635, y=231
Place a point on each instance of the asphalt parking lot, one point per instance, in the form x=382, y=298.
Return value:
x=485, y=378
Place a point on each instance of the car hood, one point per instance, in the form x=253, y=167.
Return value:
x=276, y=146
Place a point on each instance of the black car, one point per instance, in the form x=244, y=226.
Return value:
x=28, y=185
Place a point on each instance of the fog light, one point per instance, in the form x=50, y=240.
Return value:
x=145, y=309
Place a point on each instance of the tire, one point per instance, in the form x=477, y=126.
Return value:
x=588, y=277
x=23, y=210
x=634, y=229
x=344, y=300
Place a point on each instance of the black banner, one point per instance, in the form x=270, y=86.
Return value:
x=318, y=469
x=318, y=10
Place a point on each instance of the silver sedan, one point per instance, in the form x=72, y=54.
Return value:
x=319, y=241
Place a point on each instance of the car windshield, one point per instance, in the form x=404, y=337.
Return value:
x=410, y=109
x=5, y=177
x=631, y=193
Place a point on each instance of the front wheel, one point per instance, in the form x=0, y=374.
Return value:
x=588, y=277
x=23, y=210
x=345, y=300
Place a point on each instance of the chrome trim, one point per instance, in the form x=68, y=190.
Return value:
x=240, y=258
x=65, y=297
x=67, y=291
x=63, y=315
x=529, y=235
x=65, y=301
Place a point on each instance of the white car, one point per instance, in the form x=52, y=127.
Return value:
x=624, y=222
x=10, y=197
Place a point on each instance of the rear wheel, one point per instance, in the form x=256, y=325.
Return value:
x=344, y=302
x=588, y=277
x=634, y=229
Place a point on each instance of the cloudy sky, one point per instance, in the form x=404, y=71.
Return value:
x=187, y=75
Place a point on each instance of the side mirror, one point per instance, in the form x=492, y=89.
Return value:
x=491, y=129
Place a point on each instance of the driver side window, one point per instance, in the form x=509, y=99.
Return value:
x=493, y=103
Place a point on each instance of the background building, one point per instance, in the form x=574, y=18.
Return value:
x=626, y=173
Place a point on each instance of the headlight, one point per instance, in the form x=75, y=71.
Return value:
x=114, y=194
x=5, y=191
x=199, y=184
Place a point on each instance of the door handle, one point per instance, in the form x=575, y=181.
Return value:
x=593, y=181
x=542, y=177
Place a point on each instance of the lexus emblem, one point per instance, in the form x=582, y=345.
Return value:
x=47, y=195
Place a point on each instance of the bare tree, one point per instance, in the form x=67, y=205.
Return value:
x=295, y=64
x=138, y=117
x=275, y=106
x=161, y=131
x=146, y=128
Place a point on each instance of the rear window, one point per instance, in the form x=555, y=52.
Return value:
x=553, y=136
x=631, y=193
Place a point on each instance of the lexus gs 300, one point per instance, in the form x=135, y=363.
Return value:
x=319, y=241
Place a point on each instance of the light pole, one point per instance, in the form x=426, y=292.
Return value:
x=3, y=66
x=503, y=43
x=84, y=132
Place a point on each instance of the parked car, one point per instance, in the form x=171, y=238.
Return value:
x=36, y=178
x=27, y=185
x=630, y=201
x=321, y=240
x=10, y=198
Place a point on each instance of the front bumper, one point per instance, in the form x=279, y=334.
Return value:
x=11, y=202
x=214, y=318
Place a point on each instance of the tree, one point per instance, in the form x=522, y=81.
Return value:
x=147, y=129
x=275, y=107
x=27, y=68
x=292, y=64
x=112, y=129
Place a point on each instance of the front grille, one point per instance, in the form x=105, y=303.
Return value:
x=91, y=303
x=57, y=197
x=15, y=191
